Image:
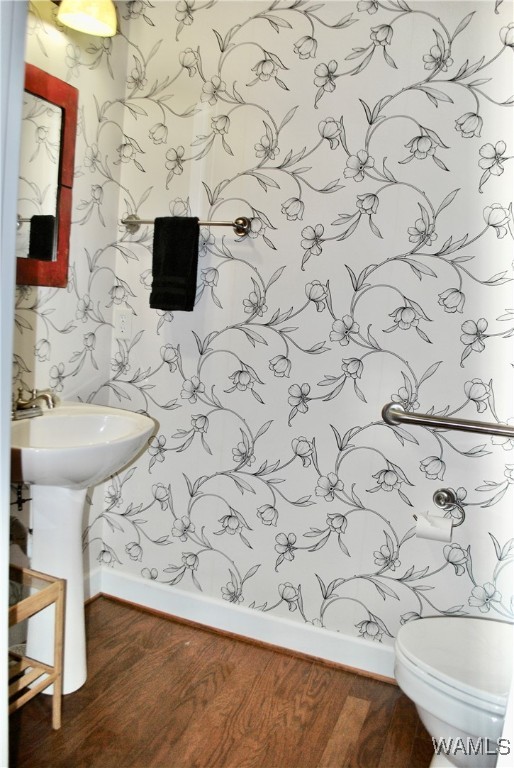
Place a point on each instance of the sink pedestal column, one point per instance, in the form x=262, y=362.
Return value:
x=57, y=550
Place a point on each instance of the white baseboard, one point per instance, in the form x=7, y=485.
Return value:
x=361, y=654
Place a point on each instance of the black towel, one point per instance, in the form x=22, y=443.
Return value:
x=41, y=238
x=175, y=263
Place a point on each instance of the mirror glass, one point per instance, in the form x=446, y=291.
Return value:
x=48, y=133
x=38, y=179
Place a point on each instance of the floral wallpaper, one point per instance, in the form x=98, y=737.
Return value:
x=370, y=144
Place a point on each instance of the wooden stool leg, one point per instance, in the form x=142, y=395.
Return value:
x=58, y=656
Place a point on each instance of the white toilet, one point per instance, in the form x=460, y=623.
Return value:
x=458, y=671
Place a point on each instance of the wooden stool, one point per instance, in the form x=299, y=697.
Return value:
x=27, y=677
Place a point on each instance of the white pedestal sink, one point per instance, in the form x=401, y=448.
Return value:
x=61, y=454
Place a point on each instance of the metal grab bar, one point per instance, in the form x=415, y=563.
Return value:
x=394, y=414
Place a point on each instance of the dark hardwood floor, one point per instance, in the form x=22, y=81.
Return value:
x=163, y=694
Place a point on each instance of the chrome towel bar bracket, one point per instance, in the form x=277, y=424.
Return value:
x=394, y=414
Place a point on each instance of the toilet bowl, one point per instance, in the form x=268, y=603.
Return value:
x=457, y=671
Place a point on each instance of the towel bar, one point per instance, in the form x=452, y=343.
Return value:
x=241, y=225
x=394, y=413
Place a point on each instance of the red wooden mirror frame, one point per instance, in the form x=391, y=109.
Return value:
x=54, y=273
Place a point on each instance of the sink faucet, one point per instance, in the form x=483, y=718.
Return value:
x=32, y=406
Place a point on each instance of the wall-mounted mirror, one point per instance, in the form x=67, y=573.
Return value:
x=49, y=126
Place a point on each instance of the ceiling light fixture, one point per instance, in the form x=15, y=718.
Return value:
x=94, y=17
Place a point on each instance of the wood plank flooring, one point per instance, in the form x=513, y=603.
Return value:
x=163, y=694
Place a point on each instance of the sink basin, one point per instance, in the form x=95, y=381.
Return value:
x=61, y=454
x=76, y=445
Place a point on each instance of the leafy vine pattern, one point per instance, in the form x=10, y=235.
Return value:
x=377, y=188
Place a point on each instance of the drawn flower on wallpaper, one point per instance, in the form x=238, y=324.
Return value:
x=210, y=276
x=324, y=80
x=306, y=47
x=43, y=350
x=243, y=454
x=162, y=495
x=95, y=201
x=134, y=551
x=408, y=317
x=469, y=125
x=343, y=329
x=312, y=239
x=119, y=293
x=357, y=165
x=289, y=595
x=367, y=6
x=169, y=355
x=370, y=630
x=303, y=448
x=330, y=130
x=158, y=133
x=473, y=335
x=120, y=363
x=299, y=399
x=499, y=218
x=268, y=514
x=200, y=423
x=182, y=528
x=387, y=556
x=211, y=88
x=423, y=232
x=452, y=300
x=149, y=573
x=57, y=377
x=189, y=61
x=135, y=9
x=255, y=304
x=285, y=547
x=479, y=393
x=425, y=146
x=232, y=593
x=191, y=388
x=507, y=443
x=183, y=12
x=483, y=596
x=367, y=203
x=387, y=480
x=267, y=146
x=92, y=158
x=146, y=278
x=293, y=209
x=507, y=35
x=156, y=449
x=409, y=616
x=267, y=68
x=492, y=160
x=328, y=485
x=317, y=293
x=433, y=468
x=406, y=397
x=127, y=153
x=137, y=80
x=174, y=162
x=190, y=561
x=439, y=56
x=280, y=365
x=456, y=556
